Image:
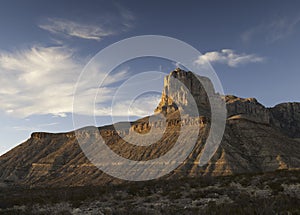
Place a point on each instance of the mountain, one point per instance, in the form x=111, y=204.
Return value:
x=256, y=139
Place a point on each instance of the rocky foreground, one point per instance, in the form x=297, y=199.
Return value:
x=268, y=193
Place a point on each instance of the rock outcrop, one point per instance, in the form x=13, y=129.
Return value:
x=179, y=86
x=248, y=108
x=286, y=117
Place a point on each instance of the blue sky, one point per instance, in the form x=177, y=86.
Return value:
x=252, y=45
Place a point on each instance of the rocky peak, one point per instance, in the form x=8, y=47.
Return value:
x=178, y=86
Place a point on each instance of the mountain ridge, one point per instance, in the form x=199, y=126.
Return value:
x=256, y=139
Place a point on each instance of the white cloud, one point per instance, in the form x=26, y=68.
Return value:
x=229, y=57
x=41, y=80
x=63, y=115
x=141, y=106
x=95, y=30
x=37, y=80
x=75, y=29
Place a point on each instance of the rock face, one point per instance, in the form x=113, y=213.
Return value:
x=179, y=86
x=256, y=139
x=286, y=117
x=248, y=108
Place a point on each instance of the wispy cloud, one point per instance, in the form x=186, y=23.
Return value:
x=90, y=30
x=272, y=31
x=141, y=106
x=75, y=29
x=229, y=57
x=41, y=80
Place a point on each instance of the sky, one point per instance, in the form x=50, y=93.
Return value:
x=253, y=47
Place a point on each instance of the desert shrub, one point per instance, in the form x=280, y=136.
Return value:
x=276, y=187
x=174, y=195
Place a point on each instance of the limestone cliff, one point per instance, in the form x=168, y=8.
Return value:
x=286, y=117
x=248, y=108
x=178, y=85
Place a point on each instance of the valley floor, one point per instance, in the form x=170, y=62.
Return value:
x=267, y=193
